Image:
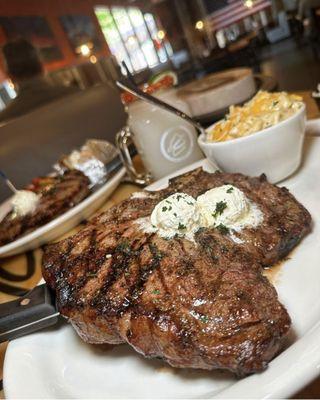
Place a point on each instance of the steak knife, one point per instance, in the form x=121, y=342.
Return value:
x=34, y=311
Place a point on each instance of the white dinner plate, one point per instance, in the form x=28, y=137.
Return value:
x=56, y=364
x=62, y=224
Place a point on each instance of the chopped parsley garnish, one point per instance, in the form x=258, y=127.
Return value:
x=156, y=291
x=275, y=103
x=124, y=247
x=179, y=197
x=175, y=214
x=220, y=207
x=222, y=229
x=164, y=209
x=181, y=226
x=230, y=190
x=204, y=318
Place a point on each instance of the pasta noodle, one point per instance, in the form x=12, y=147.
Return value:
x=262, y=111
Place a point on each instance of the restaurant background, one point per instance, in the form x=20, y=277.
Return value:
x=82, y=44
x=76, y=39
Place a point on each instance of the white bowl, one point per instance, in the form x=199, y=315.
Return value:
x=274, y=151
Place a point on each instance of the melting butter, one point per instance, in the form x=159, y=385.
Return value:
x=178, y=214
x=229, y=206
x=224, y=207
x=24, y=202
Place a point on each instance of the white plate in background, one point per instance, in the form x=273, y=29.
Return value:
x=57, y=364
x=62, y=224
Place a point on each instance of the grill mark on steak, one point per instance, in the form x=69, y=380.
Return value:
x=199, y=305
x=138, y=287
x=122, y=259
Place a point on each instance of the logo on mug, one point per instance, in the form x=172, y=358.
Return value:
x=177, y=144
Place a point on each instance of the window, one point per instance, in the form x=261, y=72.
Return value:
x=133, y=37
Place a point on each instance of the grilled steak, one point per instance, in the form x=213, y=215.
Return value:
x=202, y=304
x=58, y=195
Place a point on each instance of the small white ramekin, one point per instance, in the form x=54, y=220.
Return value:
x=274, y=151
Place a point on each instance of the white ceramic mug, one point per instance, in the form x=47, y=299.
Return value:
x=164, y=141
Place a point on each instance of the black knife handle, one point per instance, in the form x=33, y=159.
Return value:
x=36, y=310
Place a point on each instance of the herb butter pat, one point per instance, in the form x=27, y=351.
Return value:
x=228, y=206
x=176, y=215
x=24, y=202
x=225, y=208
